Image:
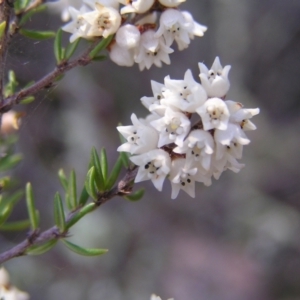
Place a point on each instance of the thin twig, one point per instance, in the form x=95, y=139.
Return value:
x=124, y=187
x=47, y=81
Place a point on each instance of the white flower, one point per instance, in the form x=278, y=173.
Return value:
x=172, y=128
x=140, y=138
x=7, y=291
x=121, y=56
x=215, y=81
x=79, y=26
x=241, y=115
x=108, y=3
x=198, y=147
x=214, y=114
x=153, y=104
x=186, y=95
x=172, y=26
x=154, y=165
x=103, y=21
x=13, y=293
x=136, y=6
x=193, y=27
x=152, y=50
x=182, y=177
x=128, y=36
x=171, y=3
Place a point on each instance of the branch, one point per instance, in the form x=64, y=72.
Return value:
x=47, y=81
x=5, y=11
x=124, y=187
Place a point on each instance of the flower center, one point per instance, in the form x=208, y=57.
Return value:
x=103, y=21
x=215, y=113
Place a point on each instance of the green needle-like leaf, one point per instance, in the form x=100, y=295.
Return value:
x=100, y=46
x=95, y=161
x=58, y=46
x=72, y=190
x=84, y=251
x=114, y=173
x=104, y=164
x=59, y=215
x=37, y=35
x=15, y=226
x=33, y=216
x=90, y=183
x=136, y=196
x=27, y=100
x=9, y=161
x=2, y=28
x=11, y=200
x=63, y=179
x=41, y=249
x=71, y=48
x=5, y=213
x=85, y=210
x=84, y=196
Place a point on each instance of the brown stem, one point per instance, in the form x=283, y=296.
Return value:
x=47, y=81
x=5, y=11
x=124, y=187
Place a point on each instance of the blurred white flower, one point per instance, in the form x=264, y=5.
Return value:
x=103, y=21
x=152, y=50
x=136, y=6
x=171, y=3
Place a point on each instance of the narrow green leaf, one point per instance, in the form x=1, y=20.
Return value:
x=71, y=48
x=72, y=190
x=33, y=217
x=114, y=173
x=2, y=28
x=136, y=196
x=10, y=87
x=100, y=46
x=11, y=200
x=100, y=58
x=15, y=226
x=59, y=215
x=5, y=182
x=84, y=196
x=84, y=251
x=28, y=15
x=63, y=179
x=104, y=164
x=95, y=161
x=77, y=216
x=5, y=213
x=37, y=35
x=90, y=183
x=58, y=46
x=9, y=161
x=27, y=100
x=41, y=249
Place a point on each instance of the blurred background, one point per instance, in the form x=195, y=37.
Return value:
x=239, y=238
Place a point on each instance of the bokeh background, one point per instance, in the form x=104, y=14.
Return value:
x=238, y=239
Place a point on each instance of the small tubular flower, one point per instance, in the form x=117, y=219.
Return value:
x=154, y=165
x=140, y=138
x=171, y=3
x=78, y=26
x=152, y=50
x=214, y=114
x=215, y=81
x=136, y=6
x=103, y=21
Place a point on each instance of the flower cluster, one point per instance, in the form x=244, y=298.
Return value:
x=167, y=144
x=7, y=291
x=145, y=29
